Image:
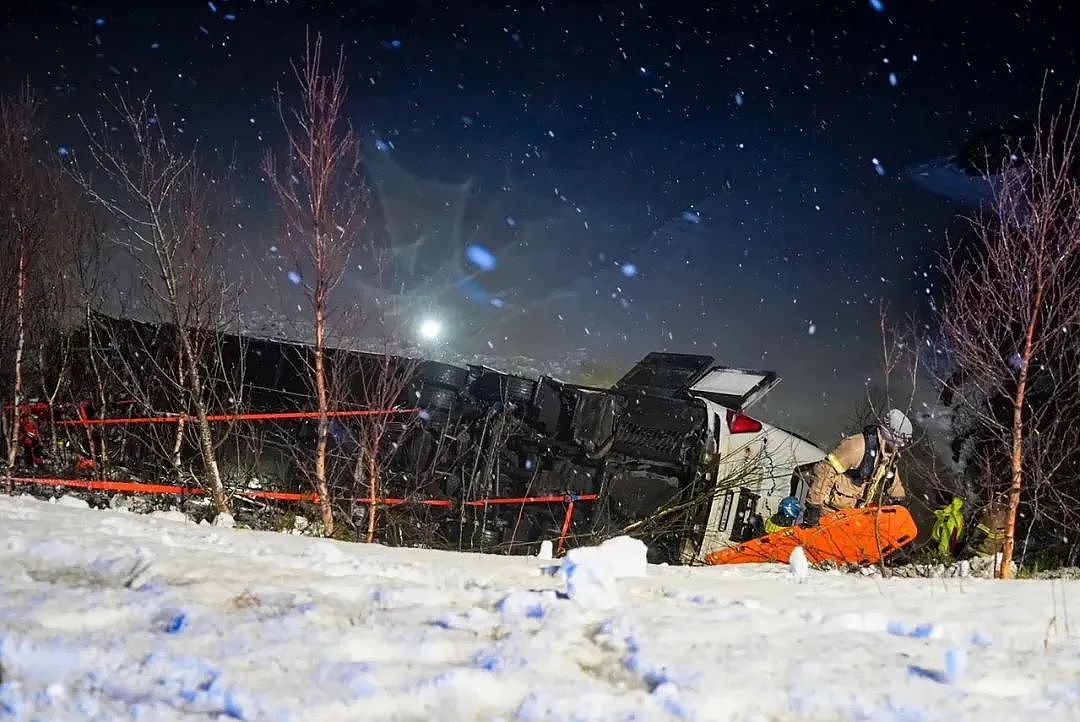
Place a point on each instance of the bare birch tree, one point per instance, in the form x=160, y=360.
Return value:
x=322, y=197
x=1011, y=317
x=161, y=201
x=27, y=205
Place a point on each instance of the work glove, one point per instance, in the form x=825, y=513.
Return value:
x=811, y=517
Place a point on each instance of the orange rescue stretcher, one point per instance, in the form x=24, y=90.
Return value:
x=848, y=536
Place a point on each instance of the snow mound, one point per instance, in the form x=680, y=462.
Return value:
x=590, y=572
x=172, y=515
x=72, y=502
x=225, y=520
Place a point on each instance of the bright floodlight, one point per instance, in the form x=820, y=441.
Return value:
x=430, y=329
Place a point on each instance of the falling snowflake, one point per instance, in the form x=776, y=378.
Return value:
x=877, y=166
x=739, y=100
x=480, y=257
x=893, y=79
x=294, y=278
x=629, y=270
x=878, y=5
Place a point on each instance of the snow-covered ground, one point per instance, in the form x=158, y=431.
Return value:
x=114, y=616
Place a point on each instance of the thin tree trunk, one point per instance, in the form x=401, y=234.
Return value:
x=323, y=430
x=98, y=451
x=373, y=485
x=1018, y=438
x=20, y=343
x=206, y=437
x=177, y=444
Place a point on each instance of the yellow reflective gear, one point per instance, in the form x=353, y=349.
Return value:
x=836, y=464
x=948, y=524
x=771, y=527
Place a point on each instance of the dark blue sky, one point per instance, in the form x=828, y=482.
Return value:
x=704, y=177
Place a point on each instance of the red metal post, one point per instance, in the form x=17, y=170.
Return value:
x=566, y=524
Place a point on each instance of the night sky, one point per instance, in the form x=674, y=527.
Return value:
x=601, y=179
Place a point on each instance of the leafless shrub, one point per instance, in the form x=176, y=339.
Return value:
x=163, y=205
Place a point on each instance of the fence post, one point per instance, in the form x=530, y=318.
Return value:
x=566, y=524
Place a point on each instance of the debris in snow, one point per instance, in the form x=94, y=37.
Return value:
x=176, y=624
x=798, y=564
x=591, y=571
x=955, y=667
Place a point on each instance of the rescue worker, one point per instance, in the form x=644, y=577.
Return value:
x=988, y=537
x=860, y=471
x=30, y=440
x=785, y=517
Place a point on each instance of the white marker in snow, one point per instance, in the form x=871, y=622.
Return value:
x=797, y=563
x=545, y=550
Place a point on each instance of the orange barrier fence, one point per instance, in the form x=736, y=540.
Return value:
x=138, y=487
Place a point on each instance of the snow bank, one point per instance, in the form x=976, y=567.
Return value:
x=110, y=616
